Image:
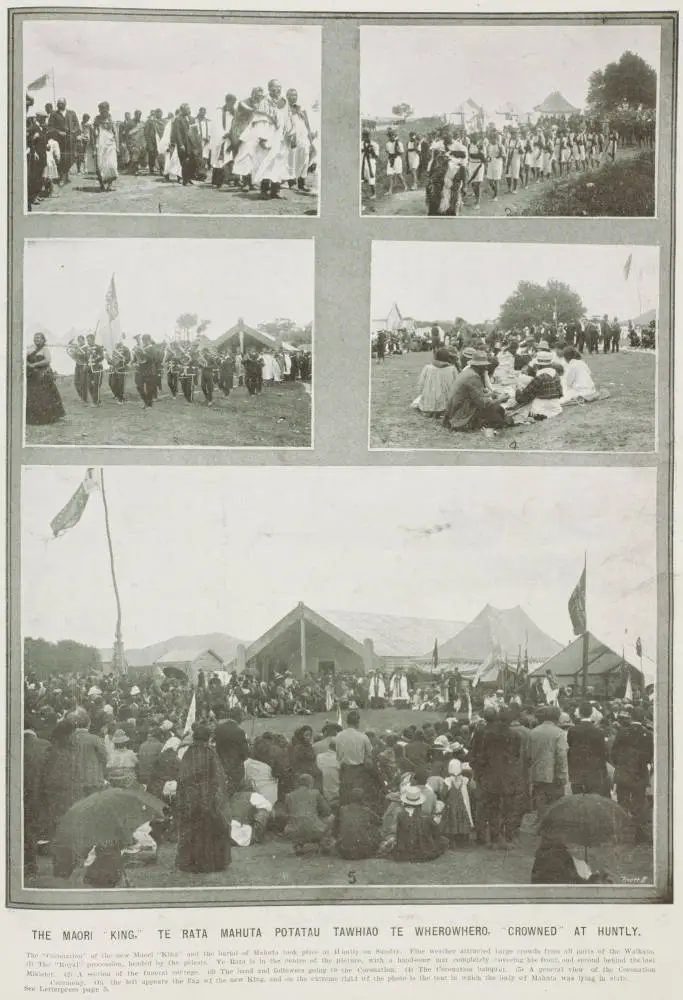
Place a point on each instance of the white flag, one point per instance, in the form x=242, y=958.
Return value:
x=191, y=715
x=109, y=326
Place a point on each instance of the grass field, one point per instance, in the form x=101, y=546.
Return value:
x=624, y=422
x=153, y=195
x=273, y=863
x=280, y=417
x=625, y=188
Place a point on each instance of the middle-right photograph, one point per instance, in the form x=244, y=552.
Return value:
x=548, y=347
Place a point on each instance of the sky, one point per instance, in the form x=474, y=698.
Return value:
x=234, y=549
x=136, y=64
x=65, y=282
x=435, y=69
x=444, y=280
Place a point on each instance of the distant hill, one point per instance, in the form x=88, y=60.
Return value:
x=645, y=318
x=509, y=629
x=224, y=645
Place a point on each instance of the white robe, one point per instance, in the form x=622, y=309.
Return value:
x=377, y=687
x=298, y=155
x=221, y=153
x=398, y=687
x=172, y=168
x=274, y=166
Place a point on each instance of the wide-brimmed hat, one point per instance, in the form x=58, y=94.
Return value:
x=543, y=358
x=412, y=796
x=119, y=737
x=441, y=741
x=479, y=359
x=135, y=689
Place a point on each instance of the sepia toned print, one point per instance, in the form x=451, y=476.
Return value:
x=152, y=117
x=220, y=355
x=529, y=346
x=502, y=120
x=286, y=732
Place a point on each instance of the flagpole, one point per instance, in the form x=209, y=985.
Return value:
x=54, y=90
x=584, y=668
x=118, y=655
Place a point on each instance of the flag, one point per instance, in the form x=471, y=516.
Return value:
x=340, y=721
x=627, y=266
x=109, y=326
x=639, y=647
x=577, y=605
x=488, y=670
x=435, y=655
x=39, y=84
x=628, y=693
x=71, y=513
x=550, y=688
x=191, y=715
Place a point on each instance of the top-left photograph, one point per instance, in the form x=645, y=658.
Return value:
x=129, y=117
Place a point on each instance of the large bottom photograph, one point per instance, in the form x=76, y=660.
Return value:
x=296, y=678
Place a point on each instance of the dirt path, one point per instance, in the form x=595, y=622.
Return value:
x=412, y=203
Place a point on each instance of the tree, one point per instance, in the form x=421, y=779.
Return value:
x=532, y=304
x=630, y=82
x=402, y=110
x=203, y=325
x=185, y=323
x=65, y=657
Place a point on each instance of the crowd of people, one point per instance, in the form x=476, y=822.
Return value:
x=264, y=141
x=409, y=793
x=458, y=164
x=513, y=376
x=185, y=367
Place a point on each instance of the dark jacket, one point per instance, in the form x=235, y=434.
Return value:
x=500, y=759
x=632, y=751
x=587, y=756
x=468, y=397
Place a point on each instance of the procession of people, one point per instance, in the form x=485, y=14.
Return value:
x=176, y=369
x=411, y=792
x=262, y=142
x=456, y=167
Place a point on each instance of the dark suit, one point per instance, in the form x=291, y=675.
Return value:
x=587, y=759
x=184, y=141
x=233, y=749
x=499, y=764
x=35, y=756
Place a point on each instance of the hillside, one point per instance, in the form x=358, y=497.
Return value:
x=224, y=645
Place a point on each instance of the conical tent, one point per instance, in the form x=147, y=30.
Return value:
x=606, y=668
x=556, y=104
x=506, y=630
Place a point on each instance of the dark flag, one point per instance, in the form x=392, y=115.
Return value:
x=577, y=606
x=435, y=655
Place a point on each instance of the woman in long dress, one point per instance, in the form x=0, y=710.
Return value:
x=106, y=147
x=202, y=808
x=577, y=381
x=43, y=402
x=435, y=384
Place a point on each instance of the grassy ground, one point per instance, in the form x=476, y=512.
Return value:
x=273, y=863
x=280, y=417
x=145, y=194
x=622, y=189
x=625, y=188
x=624, y=422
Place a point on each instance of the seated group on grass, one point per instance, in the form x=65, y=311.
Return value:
x=515, y=383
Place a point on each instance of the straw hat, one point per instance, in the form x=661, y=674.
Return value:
x=119, y=738
x=479, y=359
x=412, y=796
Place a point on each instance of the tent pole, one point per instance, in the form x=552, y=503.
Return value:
x=584, y=669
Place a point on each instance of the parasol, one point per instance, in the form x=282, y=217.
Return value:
x=587, y=820
x=109, y=816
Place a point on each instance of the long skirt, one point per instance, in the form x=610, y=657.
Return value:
x=43, y=402
x=105, y=157
x=203, y=845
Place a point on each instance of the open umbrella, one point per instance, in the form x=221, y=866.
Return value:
x=587, y=820
x=105, y=817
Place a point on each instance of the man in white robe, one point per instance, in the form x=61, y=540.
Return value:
x=273, y=169
x=300, y=141
x=398, y=687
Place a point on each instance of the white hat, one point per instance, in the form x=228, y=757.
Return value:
x=166, y=726
x=412, y=796
x=94, y=692
x=135, y=689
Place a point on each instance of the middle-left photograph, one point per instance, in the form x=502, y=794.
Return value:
x=168, y=343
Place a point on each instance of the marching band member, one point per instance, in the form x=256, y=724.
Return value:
x=95, y=368
x=206, y=361
x=172, y=364
x=188, y=370
x=144, y=359
x=118, y=365
x=76, y=350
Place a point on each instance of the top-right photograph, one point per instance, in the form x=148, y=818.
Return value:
x=507, y=120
